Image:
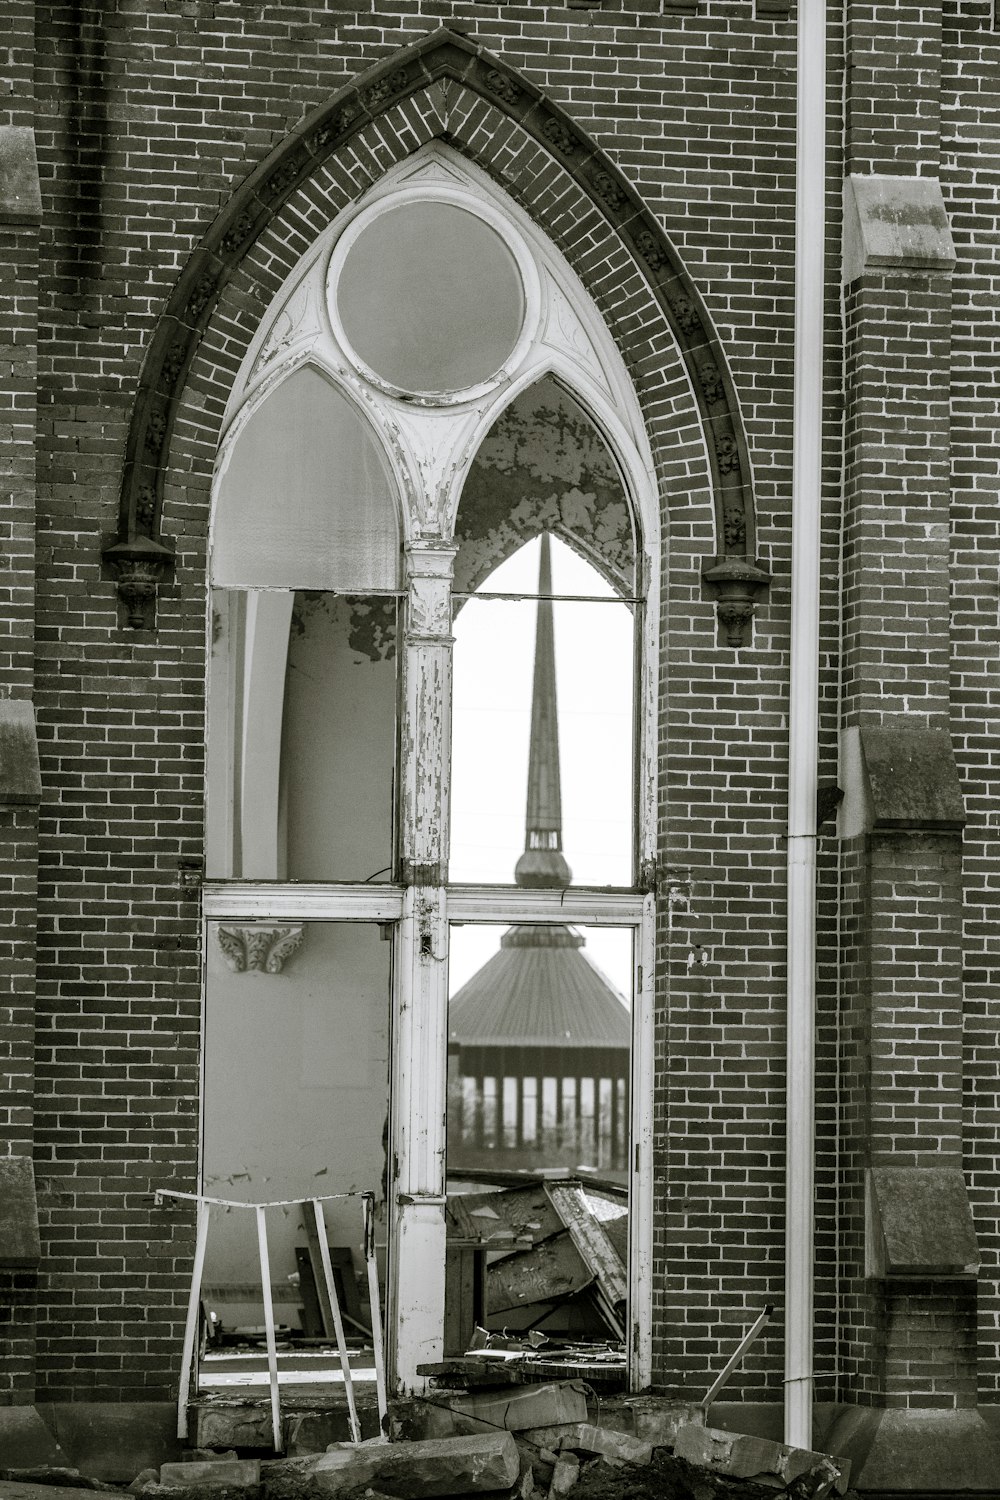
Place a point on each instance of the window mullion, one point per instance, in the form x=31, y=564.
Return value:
x=421, y=1018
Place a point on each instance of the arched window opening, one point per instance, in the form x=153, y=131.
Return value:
x=361, y=610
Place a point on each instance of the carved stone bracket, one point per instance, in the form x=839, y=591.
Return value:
x=736, y=582
x=260, y=948
x=139, y=566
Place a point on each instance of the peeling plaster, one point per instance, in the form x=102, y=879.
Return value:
x=544, y=467
x=372, y=620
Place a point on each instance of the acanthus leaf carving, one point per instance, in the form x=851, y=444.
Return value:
x=260, y=948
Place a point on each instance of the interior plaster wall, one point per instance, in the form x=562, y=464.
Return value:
x=296, y=1092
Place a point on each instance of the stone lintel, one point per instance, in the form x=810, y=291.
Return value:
x=20, y=1245
x=20, y=191
x=895, y=223
x=20, y=777
x=920, y=1224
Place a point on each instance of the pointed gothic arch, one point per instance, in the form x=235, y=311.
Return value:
x=442, y=87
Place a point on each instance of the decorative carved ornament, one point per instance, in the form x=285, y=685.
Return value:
x=260, y=948
x=736, y=582
x=139, y=567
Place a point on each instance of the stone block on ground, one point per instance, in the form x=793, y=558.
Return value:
x=653, y=1419
x=406, y=1471
x=17, y=1489
x=565, y=1474
x=230, y=1472
x=518, y=1408
x=742, y=1456
x=658, y=1422
x=550, y=1437
x=309, y=1432
x=540, y=1461
x=233, y=1424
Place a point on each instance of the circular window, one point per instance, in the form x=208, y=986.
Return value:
x=430, y=298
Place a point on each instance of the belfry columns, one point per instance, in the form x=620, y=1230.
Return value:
x=803, y=718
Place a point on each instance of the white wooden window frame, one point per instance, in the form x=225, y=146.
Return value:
x=429, y=448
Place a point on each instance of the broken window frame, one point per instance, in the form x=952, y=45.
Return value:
x=429, y=447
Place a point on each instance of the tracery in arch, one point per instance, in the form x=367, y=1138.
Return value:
x=482, y=94
x=539, y=336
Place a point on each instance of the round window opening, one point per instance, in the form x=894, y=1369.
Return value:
x=430, y=298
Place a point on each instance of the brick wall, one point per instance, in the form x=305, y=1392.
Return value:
x=698, y=114
x=148, y=119
x=925, y=1341
x=17, y=1337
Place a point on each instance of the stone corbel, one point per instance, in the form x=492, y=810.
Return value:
x=259, y=948
x=735, y=583
x=139, y=566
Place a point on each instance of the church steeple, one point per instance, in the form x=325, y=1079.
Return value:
x=543, y=864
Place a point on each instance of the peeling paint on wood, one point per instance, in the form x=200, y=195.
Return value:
x=544, y=467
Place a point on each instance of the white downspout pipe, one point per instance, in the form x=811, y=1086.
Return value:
x=803, y=718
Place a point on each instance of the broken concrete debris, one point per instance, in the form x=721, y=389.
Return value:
x=230, y=1472
x=51, y=1474
x=743, y=1456
x=18, y=1489
x=565, y=1474
x=477, y=1464
x=546, y=1261
x=525, y=1406
x=494, y=1444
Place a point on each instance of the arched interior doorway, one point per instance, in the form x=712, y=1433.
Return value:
x=429, y=390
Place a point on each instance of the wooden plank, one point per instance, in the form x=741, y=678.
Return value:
x=312, y=1312
x=595, y=1248
x=545, y=1275
x=191, y=1324
x=374, y=1303
x=316, y=1261
x=338, y=1324
x=272, y=1349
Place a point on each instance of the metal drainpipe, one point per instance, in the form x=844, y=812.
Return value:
x=803, y=718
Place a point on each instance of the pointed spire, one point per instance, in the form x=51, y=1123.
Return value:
x=543, y=863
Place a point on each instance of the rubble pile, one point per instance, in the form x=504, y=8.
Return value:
x=516, y=1443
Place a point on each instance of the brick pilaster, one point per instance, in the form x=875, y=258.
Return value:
x=906, y=1323
x=19, y=787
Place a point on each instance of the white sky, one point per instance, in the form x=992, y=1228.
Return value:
x=494, y=659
